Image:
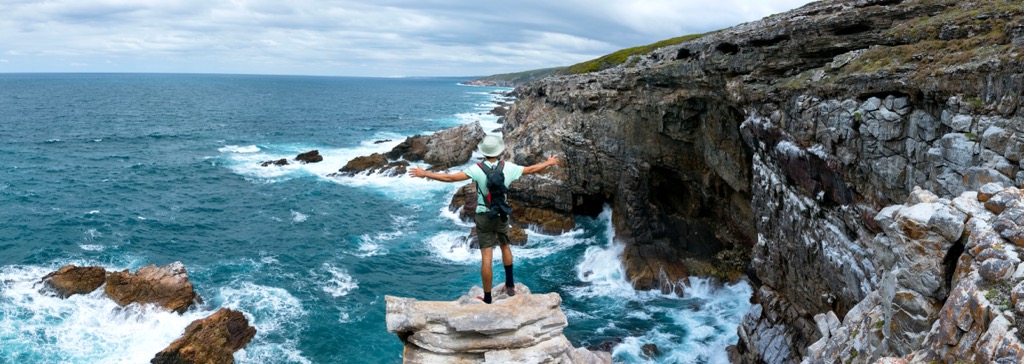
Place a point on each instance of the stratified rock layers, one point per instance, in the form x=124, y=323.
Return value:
x=525, y=328
x=781, y=140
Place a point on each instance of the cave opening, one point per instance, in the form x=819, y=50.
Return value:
x=589, y=205
x=727, y=48
x=683, y=216
x=852, y=29
x=684, y=54
x=950, y=261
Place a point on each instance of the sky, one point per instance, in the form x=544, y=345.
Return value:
x=380, y=38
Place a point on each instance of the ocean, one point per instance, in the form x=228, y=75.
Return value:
x=127, y=170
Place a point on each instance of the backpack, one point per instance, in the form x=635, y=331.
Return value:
x=496, y=199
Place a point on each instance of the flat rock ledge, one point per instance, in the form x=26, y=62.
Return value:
x=525, y=328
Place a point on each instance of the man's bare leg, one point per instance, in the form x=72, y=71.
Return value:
x=486, y=275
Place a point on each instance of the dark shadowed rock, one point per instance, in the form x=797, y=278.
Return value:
x=212, y=340
x=71, y=280
x=499, y=111
x=381, y=141
x=413, y=149
x=279, y=162
x=442, y=150
x=167, y=287
x=374, y=163
x=312, y=156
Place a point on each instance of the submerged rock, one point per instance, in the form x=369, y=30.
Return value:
x=71, y=280
x=525, y=328
x=211, y=340
x=279, y=162
x=374, y=163
x=167, y=287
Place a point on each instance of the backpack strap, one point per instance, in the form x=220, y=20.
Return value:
x=484, y=168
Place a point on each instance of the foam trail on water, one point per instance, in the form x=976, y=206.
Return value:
x=372, y=245
x=340, y=282
x=453, y=246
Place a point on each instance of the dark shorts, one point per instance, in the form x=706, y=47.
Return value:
x=489, y=231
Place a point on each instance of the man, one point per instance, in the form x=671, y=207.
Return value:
x=490, y=231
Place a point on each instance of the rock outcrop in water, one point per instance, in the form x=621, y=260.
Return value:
x=211, y=340
x=770, y=147
x=167, y=286
x=71, y=280
x=525, y=328
x=442, y=150
x=312, y=156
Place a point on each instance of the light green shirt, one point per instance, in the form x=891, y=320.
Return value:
x=511, y=171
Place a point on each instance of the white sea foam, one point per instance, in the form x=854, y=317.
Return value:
x=298, y=216
x=275, y=313
x=239, y=149
x=452, y=246
x=83, y=328
x=340, y=282
x=697, y=335
x=93, y=212
x=92, y=247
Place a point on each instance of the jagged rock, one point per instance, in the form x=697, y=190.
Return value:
x=279, y=162
x=374, y=163
x=499, y=111
x=211, y=340
x=466, y=200
x=442, y=150
x=526, y=328
x=167, y=286
x=381, y=141
x=783, y=137
x=71, y=280
x=988, y=190
x=312, y=156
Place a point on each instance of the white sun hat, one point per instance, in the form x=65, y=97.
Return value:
x=491, y=146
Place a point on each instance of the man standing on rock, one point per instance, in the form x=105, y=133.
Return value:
x=490, y=231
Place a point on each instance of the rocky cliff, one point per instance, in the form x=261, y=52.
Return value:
x=772, y=147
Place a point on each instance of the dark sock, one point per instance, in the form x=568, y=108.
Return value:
x=487, y=297
x=509, y=281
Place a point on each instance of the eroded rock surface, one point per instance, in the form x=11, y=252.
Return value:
x=525, y=328
x=71, y=280
x=167, y=286
x=782, y=140
x=211, y=340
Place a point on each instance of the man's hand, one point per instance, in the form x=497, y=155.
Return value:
x=417, y=172
x=552, y=161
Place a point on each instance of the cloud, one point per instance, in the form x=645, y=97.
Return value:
x=345, y=37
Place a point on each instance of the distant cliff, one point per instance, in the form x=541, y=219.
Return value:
x=513, y=79
x=771, y=148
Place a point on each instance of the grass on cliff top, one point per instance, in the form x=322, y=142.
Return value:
x=519, y=78
x=620, y=57
x=966, y=31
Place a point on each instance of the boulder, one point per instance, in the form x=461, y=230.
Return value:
x=442, y=150
x=525, y=328
x=167, y=287
x=211, y=340
x=71, y=280
x=312, y=156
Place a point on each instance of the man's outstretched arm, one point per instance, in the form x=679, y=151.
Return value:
x=552, y=160
x=443, y=177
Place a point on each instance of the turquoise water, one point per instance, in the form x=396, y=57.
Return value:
x=126, y=170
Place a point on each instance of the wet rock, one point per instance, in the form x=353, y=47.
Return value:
x=371, y=164
x=279, y=162
x=525, y=328
x=312, y=156
x=650, y=350
x=211, y=340
x=167, y=286
x=381, y=141
x=71, y=280
x=499, y=111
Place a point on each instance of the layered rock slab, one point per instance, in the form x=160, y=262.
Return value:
x=525, y=328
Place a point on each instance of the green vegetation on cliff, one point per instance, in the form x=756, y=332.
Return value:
x=620, y=57
x=514, y=79
x=966, y=32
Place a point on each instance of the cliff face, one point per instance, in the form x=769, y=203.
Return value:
x=772, y=146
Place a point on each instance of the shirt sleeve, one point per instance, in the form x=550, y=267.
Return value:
x=474, y=173
x=512, y=172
